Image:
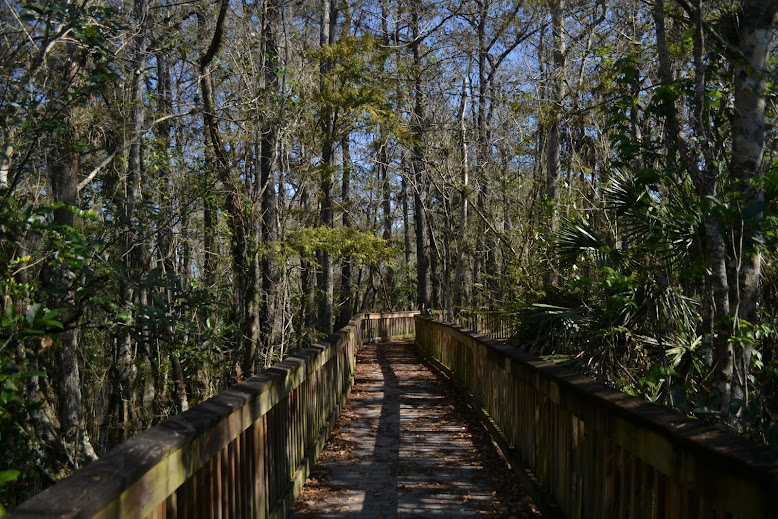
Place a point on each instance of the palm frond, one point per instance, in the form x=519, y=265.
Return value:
x=547, y=324
x=629, y=199
x=669, y=308
x=665, y=227
x=578, y=238
x=681, y=222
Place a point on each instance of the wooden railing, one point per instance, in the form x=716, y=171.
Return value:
x=599, y=452
x=494, y=323
x=244, y=453
x=377, y=327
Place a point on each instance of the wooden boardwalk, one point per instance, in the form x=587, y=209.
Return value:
x=409, y=446
x=405, y=446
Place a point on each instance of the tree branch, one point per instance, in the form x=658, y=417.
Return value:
x=92, y=174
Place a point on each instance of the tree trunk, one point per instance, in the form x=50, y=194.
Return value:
x=307, y=281
x=64, y=188
x=78, y=448
x=387, y=218
x=382, y=158
x=746, y=167
x=434, y=255
x=461, y=244
x=553, y=142
x=325, y=283
x=125, y=372
x=732, y=287
x=487, y=239
x=346, y=288
x=748, y=132
x=167, y=252
x=267, y=160
x=716, y=338
x=418, y=122
x=406, y=219
x=243, y=266
x=138, y=251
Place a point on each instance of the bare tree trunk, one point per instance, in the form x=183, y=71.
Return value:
x=434, y=255
x=267, y=159
x=141, y=381
x=487, y=239
x=179, y=383
x=406, y=219
x=209, y=227
x=553, y=143
x=386, y=210
x=307, y=280
x=268, y=234
x=210, y=214
x=243, y=266
x=6, y=154
x=346, y=285
x=78, y=448
x=382, y=158
x=326, y=286
x=448, y=300
x=167, y=255
x=461, y=244
x=748, y=129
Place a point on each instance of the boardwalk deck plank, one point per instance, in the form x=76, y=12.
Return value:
x=404, y=447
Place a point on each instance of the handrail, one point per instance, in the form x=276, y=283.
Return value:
x=597, y=451
x=243, y=453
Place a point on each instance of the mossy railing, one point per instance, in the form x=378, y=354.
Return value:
x=599, y=452
x=243, y=453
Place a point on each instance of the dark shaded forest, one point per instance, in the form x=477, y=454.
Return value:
x=190, y=191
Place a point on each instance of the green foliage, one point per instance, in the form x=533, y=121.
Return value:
x=21, y=321
x=404, y=295
x=654, y=381
x=77, y=268
x=88, y=28
x=578, y=238
x=628, y=308
x=38, y=321
x=339, y=242
x=354, y=86
x=626, y=313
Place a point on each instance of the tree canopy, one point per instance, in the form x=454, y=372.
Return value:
x=190, y=191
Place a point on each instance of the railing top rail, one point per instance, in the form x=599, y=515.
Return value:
x=390, y=315
x=157, y=453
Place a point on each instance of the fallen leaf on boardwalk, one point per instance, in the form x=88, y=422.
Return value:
x=413, y=431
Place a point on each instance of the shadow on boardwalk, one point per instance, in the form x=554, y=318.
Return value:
x=406, y=447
